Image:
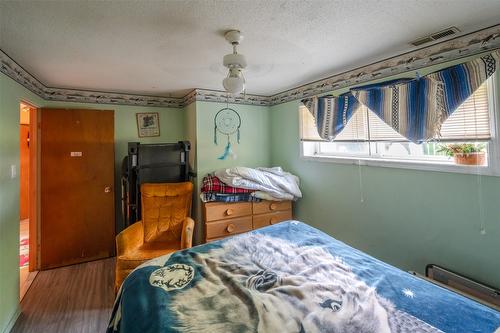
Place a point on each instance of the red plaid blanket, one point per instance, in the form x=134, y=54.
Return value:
x=213, y=184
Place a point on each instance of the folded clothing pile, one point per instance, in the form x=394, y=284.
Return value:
x=248, y=184
x=212, y=189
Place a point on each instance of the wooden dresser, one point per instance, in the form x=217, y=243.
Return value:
x=223, y=219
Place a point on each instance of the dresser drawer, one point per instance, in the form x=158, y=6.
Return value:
x=228, y=227
x=215, y=239
x=220, y=210
x=264, y=220
x=271, y=206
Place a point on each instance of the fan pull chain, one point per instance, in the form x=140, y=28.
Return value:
x=482, y=222
x=361, y=191
x=480, y=203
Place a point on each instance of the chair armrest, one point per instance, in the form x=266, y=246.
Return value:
x=130, y=238
x=187, y=233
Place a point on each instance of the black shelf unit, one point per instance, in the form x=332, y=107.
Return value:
x=151, y=163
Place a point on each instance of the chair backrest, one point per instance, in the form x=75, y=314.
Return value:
x=164, y=208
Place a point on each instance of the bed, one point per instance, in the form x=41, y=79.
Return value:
x=288, y=277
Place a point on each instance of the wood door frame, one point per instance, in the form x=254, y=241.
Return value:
x=34, y=186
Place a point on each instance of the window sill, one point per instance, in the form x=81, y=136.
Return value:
x=437, y=166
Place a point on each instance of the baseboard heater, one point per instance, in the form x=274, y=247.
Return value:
x=468, y=287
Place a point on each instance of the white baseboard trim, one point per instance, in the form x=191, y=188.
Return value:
x=12, y=320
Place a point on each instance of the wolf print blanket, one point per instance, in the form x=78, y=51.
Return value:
x=288, y=277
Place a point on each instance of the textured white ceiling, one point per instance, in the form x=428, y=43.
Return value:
x=169, y=47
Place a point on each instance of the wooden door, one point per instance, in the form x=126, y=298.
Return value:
x=77, y=176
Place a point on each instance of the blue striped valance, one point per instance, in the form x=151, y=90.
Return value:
x=415, y=108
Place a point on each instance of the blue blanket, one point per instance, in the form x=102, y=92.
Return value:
x=288, y=277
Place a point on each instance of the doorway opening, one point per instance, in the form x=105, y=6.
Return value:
x=27, y=196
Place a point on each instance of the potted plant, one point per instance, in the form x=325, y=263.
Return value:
x=465, y=153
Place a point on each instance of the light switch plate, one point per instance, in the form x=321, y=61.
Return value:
x=13, y=171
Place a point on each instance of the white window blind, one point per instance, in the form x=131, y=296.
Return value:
x=308, y=130
x=471, y=121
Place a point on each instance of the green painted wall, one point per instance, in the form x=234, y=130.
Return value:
x=253, y=150
x=408, y=218
x=254, y=147
x=172, y=127
x=190, y=130
x=191, y=136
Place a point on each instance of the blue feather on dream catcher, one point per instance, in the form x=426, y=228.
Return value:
x=227, y=122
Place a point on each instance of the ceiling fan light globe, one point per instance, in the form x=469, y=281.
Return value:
x=234, y=85
x=233, y=60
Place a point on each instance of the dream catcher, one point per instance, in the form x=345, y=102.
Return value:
x=227, y=122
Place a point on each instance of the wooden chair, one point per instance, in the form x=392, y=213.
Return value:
x=165, y=227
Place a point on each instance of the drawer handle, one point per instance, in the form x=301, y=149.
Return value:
x=273, y=206
x=229, y=212
x=230, y=228
x=274, y=220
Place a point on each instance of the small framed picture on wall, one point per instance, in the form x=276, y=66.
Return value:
x=148, y=124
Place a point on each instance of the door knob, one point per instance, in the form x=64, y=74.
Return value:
x=107, y=189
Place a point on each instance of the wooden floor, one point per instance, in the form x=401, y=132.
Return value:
x=26, y=278
x=73, y=299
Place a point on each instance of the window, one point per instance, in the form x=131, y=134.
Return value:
x=367, y=139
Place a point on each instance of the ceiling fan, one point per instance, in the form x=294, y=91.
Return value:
x=234, y=82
